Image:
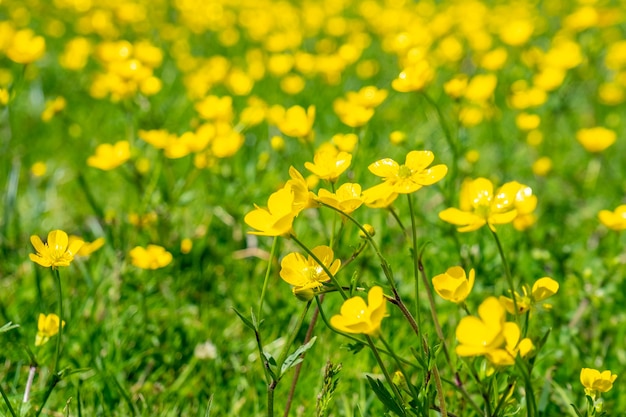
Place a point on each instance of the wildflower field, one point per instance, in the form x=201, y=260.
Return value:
x=312, y=208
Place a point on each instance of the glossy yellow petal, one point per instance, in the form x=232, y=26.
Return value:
x=419, y=160
x=384, y=168
x=57, y=241
x=543, y=288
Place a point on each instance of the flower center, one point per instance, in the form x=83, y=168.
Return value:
x=404, y=171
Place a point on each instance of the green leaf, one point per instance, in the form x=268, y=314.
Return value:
x=8, y=326
x=294, y=359
x=245, y=320
x=385, y=396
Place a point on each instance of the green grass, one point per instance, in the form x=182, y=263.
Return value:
x=134, y=339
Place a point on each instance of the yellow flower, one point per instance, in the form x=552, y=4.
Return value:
x=302, y=197
x=47, y=326
x=87, y=248
x=454, y=285
x=57, y=251
x=345, y=142
x=305, y=273
x=479, y=206
x=53, y=107
x=109, y=156
x=150, y=257
x=481, y=87
x=277, y=219
x=512, y=346
x=480, y=335
x=358, y=317
x=595, y=381
x=525, y=203
x=352, y=113
x=347, y=198
x=614, y=220
x=329, y=164
x=368, y=96
x=596, y=139
x=414, y=77
x=542, y=288
x=26, y=47
x=407, y=178
x=297, y=122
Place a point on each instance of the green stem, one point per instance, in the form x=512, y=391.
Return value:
x=60, y=335
x=394, y=388
x=332, y=277
x=7, y=402
x=415, y=259
x=507, y=272
x=526, y=369
x=400, y=367
x=267, y=278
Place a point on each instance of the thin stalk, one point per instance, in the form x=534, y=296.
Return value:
x=267, y=278
x=531, y=405
x=394, y=388
x=57, y=354
x=442, y=400
x=400, y=367
x=29, y=383
x=7, y=402
x=507, y=272
x=415, y=259
x=296, y=375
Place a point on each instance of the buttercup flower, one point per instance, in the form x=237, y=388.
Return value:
x=26, y=47
x=595, y=381
x=596, y=139
x=297, y=122
x=358, y=317
x=512, y=346
x=407, y=178
x=454, y=285
x=302, y=197
x=57, y=251
x=277, y=219
x=329, y=164
x=150, y=257
x=542, y=288
x=480, y=335
x=414, y=77
x=305, y=273
x=614, y=220
x=47, y=326
x=109, y=156
x=347, y=198
x=479, y=206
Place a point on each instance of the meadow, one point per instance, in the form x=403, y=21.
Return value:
x=312, y=208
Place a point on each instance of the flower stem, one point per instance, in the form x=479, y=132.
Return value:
x=7, y=402
x=415, y=259
x=57, y=354
x=394, y=388
x=507, y=272
x=267, y=278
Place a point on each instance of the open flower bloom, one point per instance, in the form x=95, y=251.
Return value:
x=150, y=257
x=302, y=197
x=480, y=206
x=542, y=288
x=109, y=156
x=525, y=203
x=414, y=77
x=454, y=285
x=47, y=326
x=595, y=381
x=277, y=219
x=329, y=164
x=297, y=122
x=480, y=335
x=407, y=178
x=614, y=220
x=346, y=199
x=305, y=273
x=490, y=335
x=506, y=355
x=352, y=113
x=57, y=251
x=360, y=318
x=26, y=47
